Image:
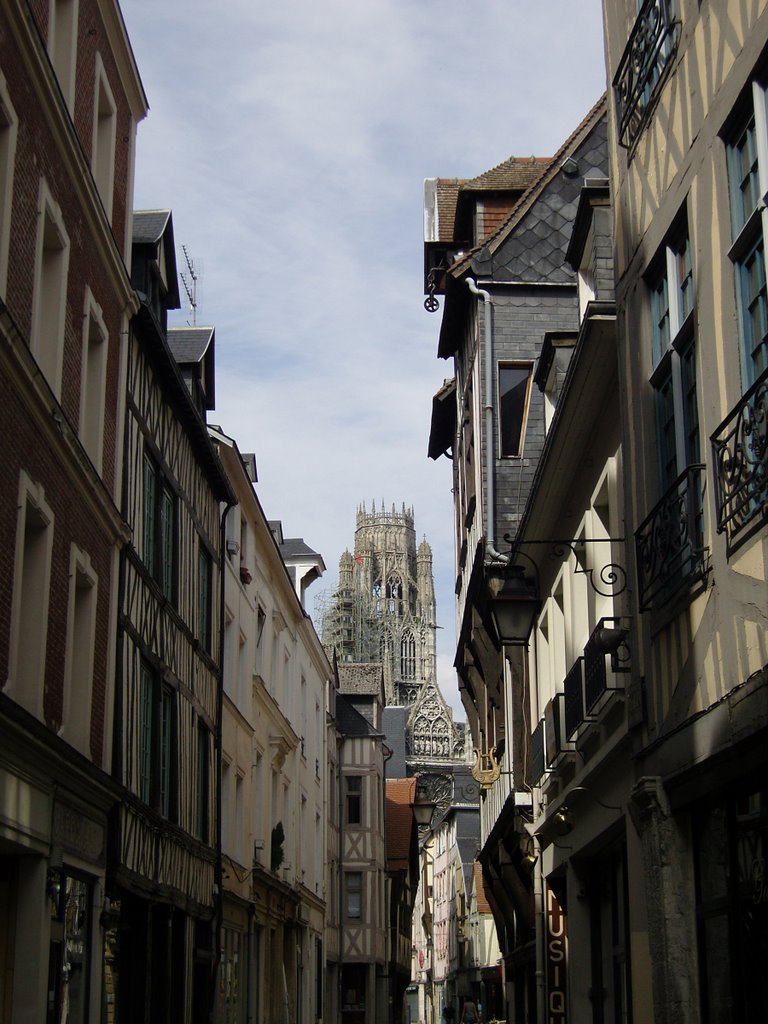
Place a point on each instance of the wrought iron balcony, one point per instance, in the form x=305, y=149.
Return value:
x=649, y=52
x=740, y=449
x=670, y=550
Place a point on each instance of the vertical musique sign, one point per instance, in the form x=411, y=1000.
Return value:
x=557, y=960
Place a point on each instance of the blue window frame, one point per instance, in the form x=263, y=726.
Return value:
x=671, y=286
x=747, y=158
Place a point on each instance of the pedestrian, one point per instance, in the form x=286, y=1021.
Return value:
x=469, y=1014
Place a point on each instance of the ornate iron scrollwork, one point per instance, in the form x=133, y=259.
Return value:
x=669, y=542
x=648, y=54
x=740, y=448
x=611, y=577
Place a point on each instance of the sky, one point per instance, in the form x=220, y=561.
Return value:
x=291, y=140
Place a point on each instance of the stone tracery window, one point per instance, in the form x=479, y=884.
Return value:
x=394, y=595
x=408, y=655
x=376, y=595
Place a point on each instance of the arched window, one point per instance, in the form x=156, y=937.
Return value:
x=408, y=655
x=376, y=595
x=394, y=595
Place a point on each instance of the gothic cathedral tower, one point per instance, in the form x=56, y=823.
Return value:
x=384, y=611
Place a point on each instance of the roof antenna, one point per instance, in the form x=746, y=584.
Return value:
x=189, y=280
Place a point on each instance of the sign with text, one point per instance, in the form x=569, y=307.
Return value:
x=557, y=960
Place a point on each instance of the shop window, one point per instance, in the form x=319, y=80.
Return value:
x=69, y=906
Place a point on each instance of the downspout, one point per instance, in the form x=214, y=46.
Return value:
x=219, y=867
x=490, y=451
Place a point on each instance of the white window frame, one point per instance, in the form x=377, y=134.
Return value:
x=9, y=129
x=62, y=45
x=93, y=380
x=81, y=642
x=104, y=137
x=49, y=302
x=31, y=598
x=746, y=235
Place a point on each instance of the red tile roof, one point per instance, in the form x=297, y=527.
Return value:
x=400, y=822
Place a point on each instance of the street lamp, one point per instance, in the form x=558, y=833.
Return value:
x=423, y=811
x=514, y=604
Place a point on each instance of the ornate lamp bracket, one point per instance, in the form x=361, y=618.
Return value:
x=609, y=580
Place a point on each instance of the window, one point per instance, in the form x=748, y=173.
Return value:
x=353, y=881
x=81, y=633
x=514, y=392
x=62, y=45
x=50, y=290
x=8, y=132
x=70, y=903
x=202, y=776
x=747, y=155
x=104, y=130
x=31, y=596
x=674, y=358
x=156, y=781
x=354, y=799
x=93, y=379
x=159, y=527
x=204, y=575
x=408, y=655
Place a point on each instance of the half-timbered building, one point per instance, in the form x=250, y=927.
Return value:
x=70, y=100
x=164, y=878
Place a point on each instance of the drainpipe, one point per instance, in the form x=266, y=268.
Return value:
x=219, y=745
x=490, y=453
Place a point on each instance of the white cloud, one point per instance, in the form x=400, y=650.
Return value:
x=291, y=140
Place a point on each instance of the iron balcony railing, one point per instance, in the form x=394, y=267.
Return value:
x=669, y=543
x=648, y=54
x=573, y=688
x=740, y=450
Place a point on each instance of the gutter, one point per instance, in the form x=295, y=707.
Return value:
x=490, y=452
x=218, y=747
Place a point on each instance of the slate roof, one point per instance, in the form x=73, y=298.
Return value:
x=393, y=721
x=189, y=344
x=350, y=721
x=361, y=679
x=149, y=225
x=530, y=246
x=400, y=794
x=294, y=546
